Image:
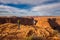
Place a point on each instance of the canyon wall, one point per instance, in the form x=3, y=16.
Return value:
x=24, y=21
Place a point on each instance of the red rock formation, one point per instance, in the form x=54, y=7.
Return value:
x=24, y=21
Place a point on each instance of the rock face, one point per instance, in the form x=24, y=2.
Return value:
x=45, y=22
x=43, y=30
x=10, y=31
x=24, y=21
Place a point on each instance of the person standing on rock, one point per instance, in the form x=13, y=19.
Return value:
x=34, y=21
x=18, y=22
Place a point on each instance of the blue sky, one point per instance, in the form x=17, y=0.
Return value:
x=29, y=5
x=35, y=7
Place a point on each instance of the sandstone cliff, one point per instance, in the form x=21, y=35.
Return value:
x=41, y=31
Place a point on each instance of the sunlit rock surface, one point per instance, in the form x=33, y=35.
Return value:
x=10, y=31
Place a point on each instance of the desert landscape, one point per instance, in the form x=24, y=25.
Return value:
x=46, y=28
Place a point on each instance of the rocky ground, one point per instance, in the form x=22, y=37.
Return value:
x=9, y=31
x=41, y=31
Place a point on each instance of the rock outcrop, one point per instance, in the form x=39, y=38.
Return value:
x=24, y=21
x=42, y=30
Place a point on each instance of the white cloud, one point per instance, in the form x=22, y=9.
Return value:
x=32, y=2
x=42, y=10
x=50, y=9
x=11, y=11
x=45, y=7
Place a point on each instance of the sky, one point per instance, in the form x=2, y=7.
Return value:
x=32, y=7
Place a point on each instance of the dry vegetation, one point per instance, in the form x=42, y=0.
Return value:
x=10, y=31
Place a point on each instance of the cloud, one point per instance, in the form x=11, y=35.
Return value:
x=49, y=10
x=39, y=10
x=11, y=11
x=32, y=2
